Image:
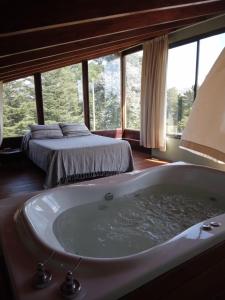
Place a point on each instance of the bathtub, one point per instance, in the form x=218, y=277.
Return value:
x=118, y=274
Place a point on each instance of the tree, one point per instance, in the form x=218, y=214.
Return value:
x=133, y=89
x=19, y=108
x=178, y=109
x=104, y=92
x=62, y=95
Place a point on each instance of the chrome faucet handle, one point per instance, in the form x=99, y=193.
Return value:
x=42, y=277
x=70, y=287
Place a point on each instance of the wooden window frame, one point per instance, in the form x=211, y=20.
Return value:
x=125, y=131
x=39, y=98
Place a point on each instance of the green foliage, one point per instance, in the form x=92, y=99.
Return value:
x=104, y=92
x=63, y=98
x=133, y=90
x=19, y=108
x=178, y=109
x=62, y=95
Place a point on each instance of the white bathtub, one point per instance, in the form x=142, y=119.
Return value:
x=35, y=220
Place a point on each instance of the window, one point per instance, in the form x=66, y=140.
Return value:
x=210, y=49
x=104, y=92
x=63, y=95
x=182, y=78
x=19, y=106
x=180, y=86
x=133, y=63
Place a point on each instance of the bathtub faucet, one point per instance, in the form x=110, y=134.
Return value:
x=42, y=278
x=70, y=287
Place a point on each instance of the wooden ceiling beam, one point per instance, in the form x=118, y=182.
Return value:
x=24, y=42
x=79, y=53
x=60, y=64
x=23, y=59
x=26, y=15
x=66, y=61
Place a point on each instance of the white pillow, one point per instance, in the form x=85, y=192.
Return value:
x=46, y=131
x=73, y=129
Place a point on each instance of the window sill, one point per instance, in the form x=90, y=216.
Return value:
x=174, y=136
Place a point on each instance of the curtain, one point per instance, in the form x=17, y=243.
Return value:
x=204, y=133
x=1, y=112
x=153, y=93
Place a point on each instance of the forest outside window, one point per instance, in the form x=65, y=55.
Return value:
x=63, y=95
x=133, y=66
x=104, y=92
x=19, y=108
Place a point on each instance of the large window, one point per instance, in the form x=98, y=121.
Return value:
x=183, y=79
x=62, y=95
x=133, y=63
x=19, y=106
x=104, y=92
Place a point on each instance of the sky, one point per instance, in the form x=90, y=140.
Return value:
x=182, y=61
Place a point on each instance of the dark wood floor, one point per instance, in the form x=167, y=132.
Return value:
x=21, y=175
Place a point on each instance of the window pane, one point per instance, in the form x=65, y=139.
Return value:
x=104, y=92
x=19, y=108
x=63, y=95
x=210, y=49
x=180, y=86
x=133, y=63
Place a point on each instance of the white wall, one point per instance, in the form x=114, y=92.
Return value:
x=200, y=28
x=174, y=153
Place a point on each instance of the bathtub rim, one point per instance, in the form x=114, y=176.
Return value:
x=128, y=258
x=131, y=176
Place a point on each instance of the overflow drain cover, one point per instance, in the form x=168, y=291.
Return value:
x=108, y=196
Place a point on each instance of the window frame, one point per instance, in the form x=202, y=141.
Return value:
x=123, y=90
x=116, y=59
x=196, y=39
x=85, y=81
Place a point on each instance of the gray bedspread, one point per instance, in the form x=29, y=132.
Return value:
x=69, y=159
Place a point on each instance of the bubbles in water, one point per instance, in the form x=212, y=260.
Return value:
x=134, y=222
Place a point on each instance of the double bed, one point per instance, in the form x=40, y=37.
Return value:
x=69, y=159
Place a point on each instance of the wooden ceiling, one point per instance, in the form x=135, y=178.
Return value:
x=37, y=36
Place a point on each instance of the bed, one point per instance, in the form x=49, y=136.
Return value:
x=69, y=159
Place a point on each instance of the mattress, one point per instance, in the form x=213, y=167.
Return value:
x=70, y=159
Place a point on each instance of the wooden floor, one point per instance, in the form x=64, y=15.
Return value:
x=21, y=175
x=143, y=160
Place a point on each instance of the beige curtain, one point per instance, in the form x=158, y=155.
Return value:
x=1, y=112
x=153, y=94
x=204, y=133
